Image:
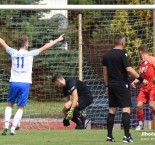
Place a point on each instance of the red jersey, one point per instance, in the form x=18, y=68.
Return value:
x=147, y=70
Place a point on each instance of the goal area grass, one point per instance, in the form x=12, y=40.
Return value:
x=36, y=107
x=72, y=137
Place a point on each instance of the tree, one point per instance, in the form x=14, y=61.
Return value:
x=14, y=23
x=100, y=26
x=137, y=25
x=96, y=35
x=39, y=30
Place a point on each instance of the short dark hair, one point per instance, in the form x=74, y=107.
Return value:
x=143, y=48
x=118, y=38
x=21, y=41
x=56, y=76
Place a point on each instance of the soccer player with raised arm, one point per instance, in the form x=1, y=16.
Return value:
x=21, y=78
x=147, y=92
x=81, y=98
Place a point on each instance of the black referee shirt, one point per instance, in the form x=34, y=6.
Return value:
x=116, y=61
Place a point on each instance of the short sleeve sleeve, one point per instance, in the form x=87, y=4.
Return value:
x=125, y=60
x=71, y=86
x=10, y=51
x=65, y=92
x=34, y=52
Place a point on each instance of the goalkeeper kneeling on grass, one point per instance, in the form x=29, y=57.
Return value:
x=81, y=98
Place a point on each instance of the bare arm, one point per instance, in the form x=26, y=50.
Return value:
x=2, y=42
x=75, y=98
x=50, y=44
x=105, y=75
x=137, y=77
x=132, y=72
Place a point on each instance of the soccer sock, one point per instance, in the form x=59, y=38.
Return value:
x=8, y=113
x=76, y=120
x=17, y=118
x=126, y=123
x=110, y=124
x=141, y=123
x=140, y=115
x=76, y=112
x=76, y=115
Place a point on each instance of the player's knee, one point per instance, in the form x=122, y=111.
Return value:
x=21, y=107
x=10, y=104
x=67, y=105
x=152, y=106
x=126, y=110
x=139, y=107
x=112, y=110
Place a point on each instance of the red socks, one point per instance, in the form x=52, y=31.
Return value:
x=140, y=115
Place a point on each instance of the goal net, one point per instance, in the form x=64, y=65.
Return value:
x=97, y=30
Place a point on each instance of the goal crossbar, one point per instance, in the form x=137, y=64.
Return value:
x=77, y=7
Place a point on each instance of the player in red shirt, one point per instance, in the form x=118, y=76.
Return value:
x=147, y=92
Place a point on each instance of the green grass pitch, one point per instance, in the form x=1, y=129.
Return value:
x=72, y=137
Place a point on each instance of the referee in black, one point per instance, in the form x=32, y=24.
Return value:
x=78, y=97
x=116, y=67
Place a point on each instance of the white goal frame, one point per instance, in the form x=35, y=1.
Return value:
x=77, y=7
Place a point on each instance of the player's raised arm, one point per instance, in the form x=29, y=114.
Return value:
x=51, y=43
x=2, y=42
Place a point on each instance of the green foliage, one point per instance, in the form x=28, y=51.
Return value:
x=48, y=63
x=132, y=24
x=80, y=2
x=17, y=22
x=98, y=28
x=101, y=26
x=26, y=2
x=4, y=77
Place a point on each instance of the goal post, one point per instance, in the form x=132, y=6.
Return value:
x=89, y=31
x=77, y=7
x=80, y=56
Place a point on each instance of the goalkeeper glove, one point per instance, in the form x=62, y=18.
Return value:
x=69, y=115
x=66, y=122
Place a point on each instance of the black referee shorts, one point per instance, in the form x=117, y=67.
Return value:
x=119, y=95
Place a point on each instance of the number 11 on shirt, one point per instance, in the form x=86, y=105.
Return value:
x=20, y=60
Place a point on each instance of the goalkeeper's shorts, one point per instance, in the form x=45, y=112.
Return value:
x=18, y=92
